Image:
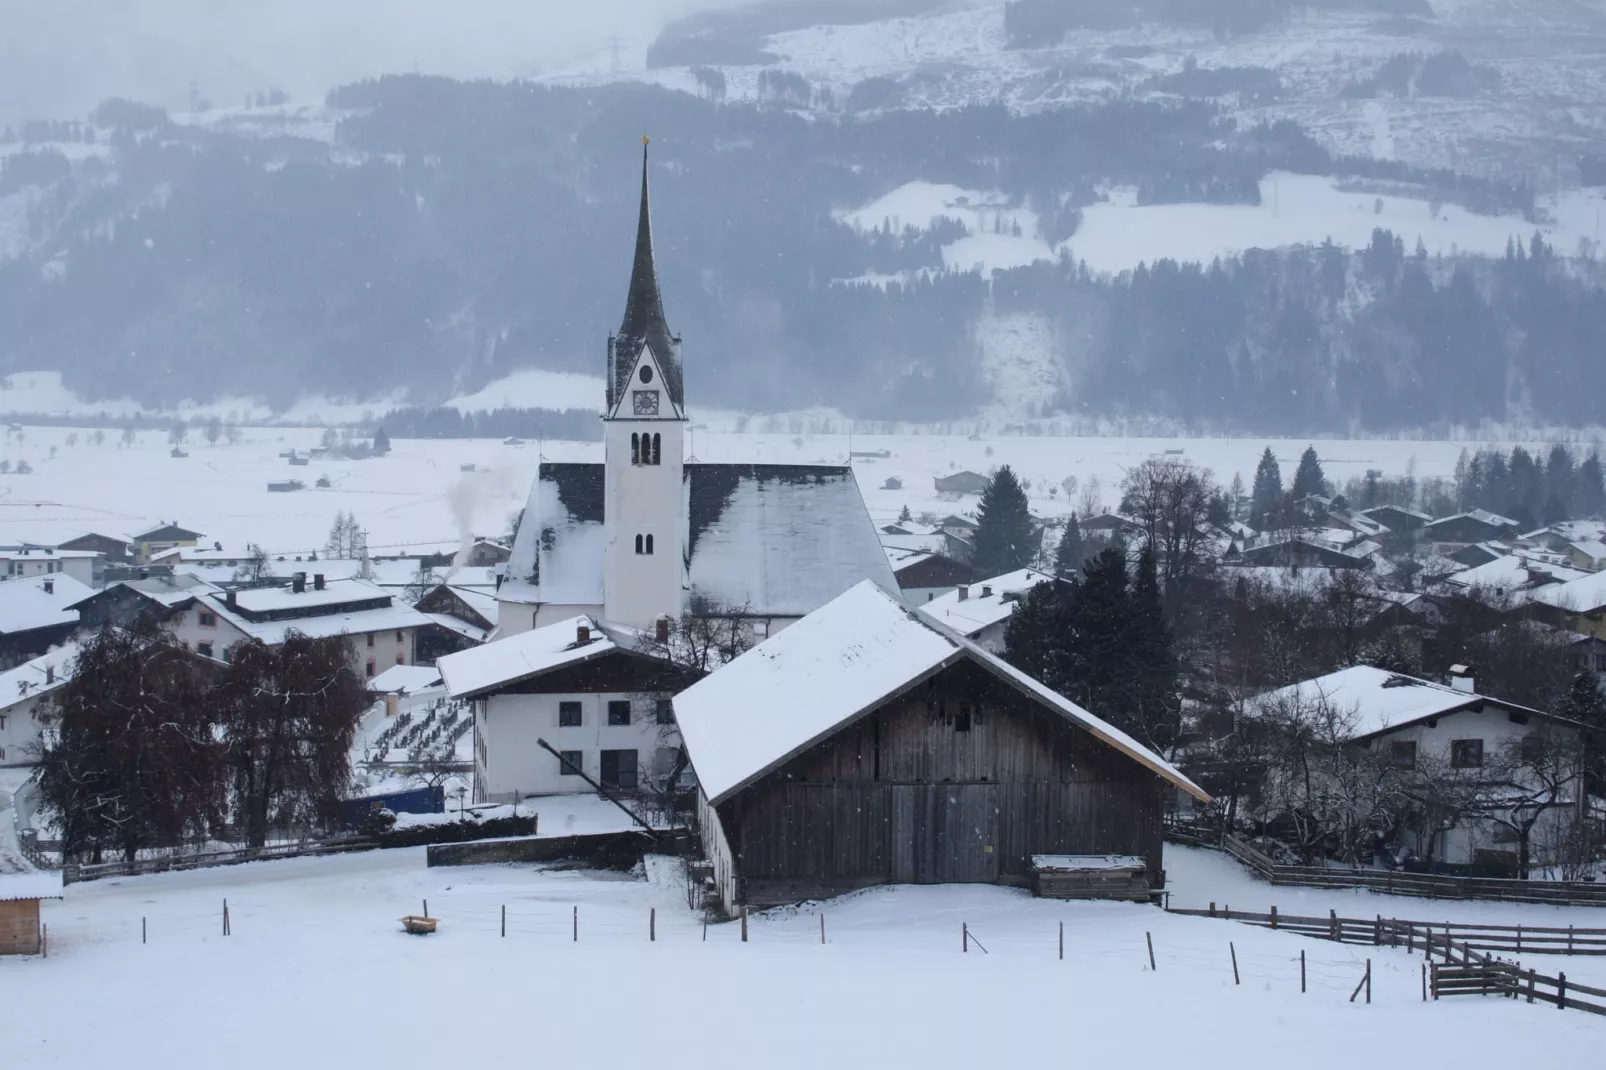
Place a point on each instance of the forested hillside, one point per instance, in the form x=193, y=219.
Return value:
x=448, y=233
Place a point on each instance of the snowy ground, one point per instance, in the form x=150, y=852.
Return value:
x=419, y=498
x=317, y=972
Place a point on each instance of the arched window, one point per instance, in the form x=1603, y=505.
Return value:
x=657, y=449
x=638, y=544
x=649, y=544
x=635, y=448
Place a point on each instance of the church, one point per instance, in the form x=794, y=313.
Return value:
x=649, y=534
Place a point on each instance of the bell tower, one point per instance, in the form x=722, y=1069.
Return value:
x=644, y=433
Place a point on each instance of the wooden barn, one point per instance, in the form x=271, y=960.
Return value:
x=867, y=744
x=20, y=894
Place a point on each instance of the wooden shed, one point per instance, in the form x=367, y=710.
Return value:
x=20, y=895
x=867, y=744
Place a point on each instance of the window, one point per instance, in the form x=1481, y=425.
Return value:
x=368, y=670
x=666, y=711
x=635, y=448
x=618, y=769
x=2, y=754
x=2, y=722
x=568, y=715
x=644, y=544
x=619, y=712
x=1466, y=753
x=1402, y=754
x=1533, y=747
x=208, y=619
x=640, y=544
x=657, y=449
x=204, y=649
x=370, y=640
x=646, y=374
x=663, y=762
x=401, y=638
x=573, y=761
x=649, y=544
x=962, y=718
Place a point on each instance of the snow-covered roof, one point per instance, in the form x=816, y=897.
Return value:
x=1593, y=549
x=34, y=553
x=34, y=884
x=837, y=664
x=1378, y=699
x=322, y=619
x=461, y=627
x=33, y=602
x=38, y=676
x=168, y=533
x=519, y=657
x=921, y=544
x=1483, y=516
x=405, y=679
x=1585, y=594
x=1513, y=574
x=285, y=597
x=773, y=539
x=1080, y=862
x=986, y=602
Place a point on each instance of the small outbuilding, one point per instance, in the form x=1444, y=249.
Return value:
x=868, y=744
x=21, y=931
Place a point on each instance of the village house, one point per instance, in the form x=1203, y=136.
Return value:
x=109, y=548
x=1304, y=551
x=25, y=561
x=1433, y=733
x=1510, y=577
x=37, y=614
x=1401, y=524
x=1579, y=604
x=163, y=537
x=157, y=596
x=1450, y=533
x=648, y=533
x=23, y=692
x=981, y=611
x=598, y=694
x=922, y=575
x=1587, y=554
x=460, y=617
x=869, y=745
x=380, y=630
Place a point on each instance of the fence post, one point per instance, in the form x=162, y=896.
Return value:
x=426, y=908
x=1569, y=939
x=1530, y=984
x=225, y=917
x=142, y=930
x=1519, y=939
x=1377, y=932
x=504, y=919
x=1424, y=982
x=576, y=938
x=964, y=937
x=1302, y=971
x=1212, y=908
x=1368, y=980
x=822, y=928
x=1274, y=917
x=1561, y=991
x=652, y=924
x=1150, y=938
x=1234, y=953
x=1435, y=969
x=1062, y=941
x=1332, y=924
x=744, y=925
x=1483, y=981
x=44, y=944
x=1427, y=944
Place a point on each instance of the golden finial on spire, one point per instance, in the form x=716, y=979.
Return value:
x=645, y=139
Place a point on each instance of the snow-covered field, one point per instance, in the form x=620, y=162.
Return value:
x=418, y=497
x=1118, y=234
x=317, y=973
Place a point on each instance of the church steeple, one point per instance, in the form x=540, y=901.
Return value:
x=644, y=324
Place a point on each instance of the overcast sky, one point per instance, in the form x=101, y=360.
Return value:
x=58, y=58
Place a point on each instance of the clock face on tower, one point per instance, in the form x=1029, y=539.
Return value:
x=646, y=402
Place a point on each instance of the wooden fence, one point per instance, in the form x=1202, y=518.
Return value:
x=1395, y=882
x=73, y=872
x=1459, y=958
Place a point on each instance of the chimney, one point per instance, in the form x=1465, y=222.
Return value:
x=582, y=634
x=50, y=586
x=317, y=581
x=986, y=591
x=298, y=583
x=661, y=629
x=964, y=591
x=1463, y=679
x=50, y=674
x=231, y=599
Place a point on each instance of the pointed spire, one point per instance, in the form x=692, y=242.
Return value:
x=644, y=323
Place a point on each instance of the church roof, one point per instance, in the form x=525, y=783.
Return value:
x=774, y=540
x=644, y=325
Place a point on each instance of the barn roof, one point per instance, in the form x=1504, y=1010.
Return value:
x=44, y=601
x=774, y=539
x=831, y=668
x=33, y=884
x=529, y=654
x=986, y=602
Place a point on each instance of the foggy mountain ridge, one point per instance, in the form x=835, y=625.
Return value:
x=431, y=235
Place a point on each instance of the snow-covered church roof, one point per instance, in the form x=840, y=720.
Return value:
x=834, y=666
x=775, y=540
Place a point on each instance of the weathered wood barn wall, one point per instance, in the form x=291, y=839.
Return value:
x=19, y=927
x=960, y=779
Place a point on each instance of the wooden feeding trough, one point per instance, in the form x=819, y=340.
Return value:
x=1090, y=877
x=419, y=925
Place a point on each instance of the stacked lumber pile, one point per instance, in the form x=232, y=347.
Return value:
x=1090, y=877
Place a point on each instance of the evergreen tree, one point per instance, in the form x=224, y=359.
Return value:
x=1005, y=531
x=381, y=442
x=1151, y=711
x=1265, y=499
x=1308, y=479
x=1072, y=550
x=1590, y=487
x=905, y=516
x=1093, y=664
x=1033, y=638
